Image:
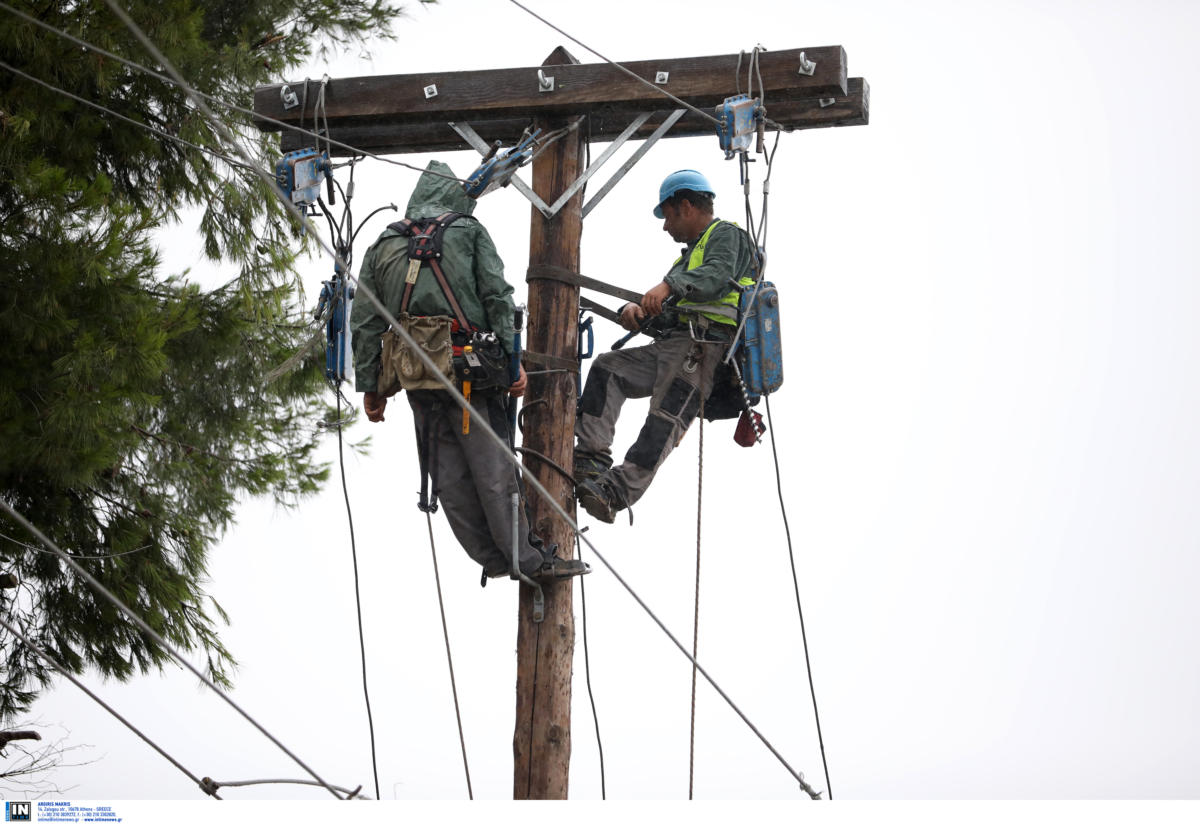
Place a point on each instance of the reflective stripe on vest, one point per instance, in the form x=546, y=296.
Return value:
x=724, y=310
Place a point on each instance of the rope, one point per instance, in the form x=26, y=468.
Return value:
x=437, y=578
x=696, y=617
x=587, y=672
x=799, y=609
x=70, y=677
x=362, y=646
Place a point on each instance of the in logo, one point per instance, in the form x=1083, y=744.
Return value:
x=18, y=810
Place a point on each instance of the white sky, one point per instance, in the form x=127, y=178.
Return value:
x=987, y=441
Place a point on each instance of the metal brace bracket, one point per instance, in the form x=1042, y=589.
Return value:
x=545, y=84
x=807, y=66
x=467, y=133
x=288, y=98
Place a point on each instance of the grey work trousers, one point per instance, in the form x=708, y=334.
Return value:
x=474, y=478
x=675, y=372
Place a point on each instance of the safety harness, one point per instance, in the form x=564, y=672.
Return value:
x=471, y=363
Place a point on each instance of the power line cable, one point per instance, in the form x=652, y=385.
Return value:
x=799, y=609
x=52, y=661
x=457, y=397
x=119, y=116
x=641, y=80
x=179, y=83
x=146, y=628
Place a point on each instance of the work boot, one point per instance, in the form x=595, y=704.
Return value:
x=597, y=499
x=554, y=568
x=590, y=466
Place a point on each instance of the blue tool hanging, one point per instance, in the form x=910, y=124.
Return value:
x=334, y=305
x=500, y=165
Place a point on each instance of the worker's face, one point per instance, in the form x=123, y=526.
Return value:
x=684, y=223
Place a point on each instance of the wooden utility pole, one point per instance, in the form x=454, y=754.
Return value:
x=803, y=89
x=542, y=741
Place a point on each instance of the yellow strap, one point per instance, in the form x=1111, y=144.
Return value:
x=466, y=412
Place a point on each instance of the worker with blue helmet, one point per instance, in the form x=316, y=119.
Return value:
x=692, y=314
x=678, y=181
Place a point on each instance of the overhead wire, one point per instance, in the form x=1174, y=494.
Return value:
x=152, y=633
x=616, y=65
x=457, y=397
x=210, y=98
x=52, y=661
x=119, y=116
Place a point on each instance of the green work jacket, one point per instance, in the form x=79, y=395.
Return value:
x=469, y=259
x=703, y=275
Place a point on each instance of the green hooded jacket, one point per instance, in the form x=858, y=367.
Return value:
x=469, y=260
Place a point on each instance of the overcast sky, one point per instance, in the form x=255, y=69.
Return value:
x=987, y=443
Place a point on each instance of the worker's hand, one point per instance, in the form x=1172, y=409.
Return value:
x=631, y=316
x=652, y=301
x=518, y=387
x=373, y=404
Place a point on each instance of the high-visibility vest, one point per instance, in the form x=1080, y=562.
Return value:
x=724, y=310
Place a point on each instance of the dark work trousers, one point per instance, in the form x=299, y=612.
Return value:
x=675, y=372
x=474, y=478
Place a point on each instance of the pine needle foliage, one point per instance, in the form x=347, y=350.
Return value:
x=135, y=406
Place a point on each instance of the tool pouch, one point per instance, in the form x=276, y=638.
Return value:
x=485, y=365
x=401, y=367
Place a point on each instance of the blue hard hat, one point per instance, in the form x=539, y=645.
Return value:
x=678, y=181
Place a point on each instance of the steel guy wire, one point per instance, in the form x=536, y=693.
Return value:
x=216, y=785
x=52, y=661
x=198, y=94
x=457, y=397
x=146, y=628
x=120, y=116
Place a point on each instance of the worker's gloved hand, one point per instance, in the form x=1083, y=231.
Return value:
x=632, y=316
x=373, y=405
x=518, y=387
x=652, y=301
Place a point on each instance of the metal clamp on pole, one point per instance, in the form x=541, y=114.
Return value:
x=539, y=598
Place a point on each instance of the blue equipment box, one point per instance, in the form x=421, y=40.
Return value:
x=299, y=175
x=737, y=116
x=762, y=352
